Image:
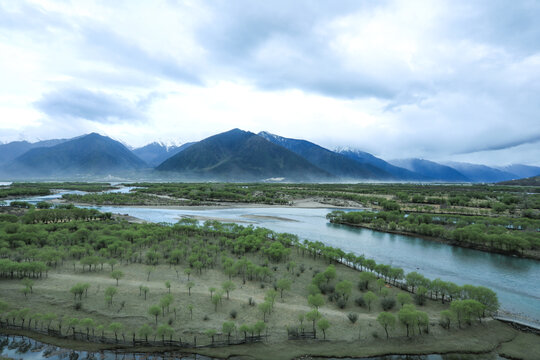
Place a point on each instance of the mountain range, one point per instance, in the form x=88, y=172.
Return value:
x=235, y=155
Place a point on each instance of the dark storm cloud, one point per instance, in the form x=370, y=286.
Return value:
x=90, y=105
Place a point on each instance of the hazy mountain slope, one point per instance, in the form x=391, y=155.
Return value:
x=155, y=153
x=481, y=173
x=530, y=181
x=334, y=163
x=521, y=171
x=240, y=155
x=88, y=154
x=367, y=158
x=14, y=149
x=431, y=170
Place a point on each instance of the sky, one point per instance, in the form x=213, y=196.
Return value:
x=453, y=80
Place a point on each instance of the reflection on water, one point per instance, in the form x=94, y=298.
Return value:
x=489, y=356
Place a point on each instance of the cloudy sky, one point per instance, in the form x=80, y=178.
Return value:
x=441, y=80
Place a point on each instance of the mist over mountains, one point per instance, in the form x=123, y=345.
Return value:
x=235, y=155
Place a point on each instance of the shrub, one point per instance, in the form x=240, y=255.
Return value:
x=341, y=303
x=170, y=321
x=233, y=314
x=206, y=318
x=251, y=302
x=263, y=286
x=419, y=299
x=388, y=303
x=353, y=317
x=327, y=289
x=302, y=268
x=360, y=302
x=78, y=305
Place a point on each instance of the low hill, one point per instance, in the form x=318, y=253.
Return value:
x=88, y=154
x=481, y=173
x=333, y=163
x=367, y=158
x=14, y=149
x=431, y=170
x=521, y=171
x=531, y=181
x=240, y=155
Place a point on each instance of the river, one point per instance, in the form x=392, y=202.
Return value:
x=516, y=280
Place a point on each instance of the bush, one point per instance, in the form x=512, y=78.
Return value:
x=353, y=317
x=251, y=302
x=233, y=314
x=360, y=302
x=302, y=268
x=341, y=303
x=206, y=318
x=419, y=299
x=263, y=286
x=78, y=305
x=388, y=303
x=327, y=289
x=170, y=321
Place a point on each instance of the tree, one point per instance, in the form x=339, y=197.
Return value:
x=211, y=289
x=282, y=285
x=344, y=289
x=380, y=284
x=323, y=324
x=228, y=327
x=145, y=331
x=216, y=299
x=259, y=327
x=365, y=278
x=403, y=298
x=330, y=273
x=369, y=298
x=387, y=320
x=190, y=308
x=28, y=283
x=115, y=327
x=117, y=275
x=187, y=271
x=228, y=286
x=168, y=285
x=407, y=316
x=154, y=311
x=72, y=322
x=145, y=290
x=313, y=316
x=446, y=319
x=244, y=328
x=189, y=285
x=111, y=263
x=265, y=308
x=270, y=297
x=316, y=300
x=109, y=294
x=165, y=330
x=165, y=302
x=88, y=323
x=211, y=333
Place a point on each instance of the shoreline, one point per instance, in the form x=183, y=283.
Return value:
x=444, y=241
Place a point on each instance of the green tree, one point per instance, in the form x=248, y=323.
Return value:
x=323, y=324
x=115, y=327
x=265, y=308
x=228, y=327
x=211, y=333
x=165, y=330
x=88, y=323
x=145, y=331
x=283, y=284
x=313, y=316
x=369, y=298
x=407, y=316
x=189, y=285
x=109, y=294
x=344, y=289
x=403, y=298
x=316, y=300
x=259, y=327
x=387, y=321
x=168, y=285
x=117, y=275
x=228, y=286
x=154, y=311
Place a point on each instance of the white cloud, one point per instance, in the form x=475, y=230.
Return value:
x=442, y=80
